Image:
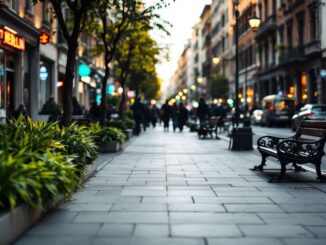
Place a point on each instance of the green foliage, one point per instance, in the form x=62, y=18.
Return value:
x=53, y=109
x=39, y=161
x=35, y=178
x=78, y=141
x=218, y=86
x=104, y=135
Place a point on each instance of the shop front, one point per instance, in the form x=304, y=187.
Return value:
x=19, y=65
x=12, y=47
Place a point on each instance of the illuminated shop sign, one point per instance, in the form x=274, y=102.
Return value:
x=10, y=38
x=44, y=38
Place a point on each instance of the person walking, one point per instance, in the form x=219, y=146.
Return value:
x=175, y=112
x=146, y=117
x=138, y=111
x=182, y=116
x=154, y=113
x=166, y=114
x=203, y=112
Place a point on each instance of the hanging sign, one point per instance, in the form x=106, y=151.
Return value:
x=323, y=73
x=44, y=38
x=43, y=73
x=10, y=38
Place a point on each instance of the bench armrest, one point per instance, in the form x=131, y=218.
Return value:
x=271, y=141
x=300, y=150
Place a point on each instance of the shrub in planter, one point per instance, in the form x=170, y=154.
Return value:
x=116, y=124
x=34, y=178
x=106, y=134
x=78, y=141
x=52, y=109
x=34, y=136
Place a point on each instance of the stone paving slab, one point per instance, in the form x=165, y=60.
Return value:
x=173, y=189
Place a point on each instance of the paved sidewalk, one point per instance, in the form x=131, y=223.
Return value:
x=173, y=189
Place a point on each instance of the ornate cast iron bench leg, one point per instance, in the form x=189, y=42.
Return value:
x=320, y=177
x=282, y=174
x=263, y=163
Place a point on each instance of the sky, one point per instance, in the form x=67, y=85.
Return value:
x=183, y=15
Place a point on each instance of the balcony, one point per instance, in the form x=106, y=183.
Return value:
x=312, y=47
x=292, y=55
x=266, y=27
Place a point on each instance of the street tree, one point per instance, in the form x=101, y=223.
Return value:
x=71, y=16
x=136, y=54
x=218, y=86
x=114, y=18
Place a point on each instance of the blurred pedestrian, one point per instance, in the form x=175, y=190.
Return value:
x=175, y=116
x=182, y=116
x=76, y=108
x=203, y=112
x=147, y=116
x=138, y=111
x=21, y=111
x=166, y=115
x=94, y=113
x=154, y=112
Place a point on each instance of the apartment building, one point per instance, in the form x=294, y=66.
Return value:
x=290, y=51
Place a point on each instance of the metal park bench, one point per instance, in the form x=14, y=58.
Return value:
x=306, y=146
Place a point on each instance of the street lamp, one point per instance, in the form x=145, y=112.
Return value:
x=216, y=60
x=254, y=22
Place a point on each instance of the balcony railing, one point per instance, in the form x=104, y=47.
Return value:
x=268, y=25
x=312, y=47
x=292, y=55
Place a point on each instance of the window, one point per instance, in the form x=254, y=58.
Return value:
x=46, y=12
x=300, y=31
x=29, y=6
x=289, y=34
x=313, y=24
x=266, y=9
x=13, y=4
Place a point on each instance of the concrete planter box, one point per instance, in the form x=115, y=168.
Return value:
x=128, y=133
x=43, y=117
x=110, y=147
x=15, y=222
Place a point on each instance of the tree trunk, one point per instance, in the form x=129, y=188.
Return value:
x=68, y=83
x=123, y=98
x=103, y=98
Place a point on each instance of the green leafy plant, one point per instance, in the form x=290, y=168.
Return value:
x=78, y=141
x=34, y=178
x=103, y=135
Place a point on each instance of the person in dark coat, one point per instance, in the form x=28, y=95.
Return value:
x=182, y=116
x=166, y=115
x=203, y=111
x=174, y=115
x=154, y=112
x=20, y=111
x=146, y=117
x=138, y=110
x=94, y=113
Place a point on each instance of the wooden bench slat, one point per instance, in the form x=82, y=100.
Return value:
x=313, y=124
x=311, y=132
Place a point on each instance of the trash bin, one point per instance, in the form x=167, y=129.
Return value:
x=241, y=139
x=246, y=122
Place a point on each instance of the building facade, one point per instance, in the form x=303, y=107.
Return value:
x=32, y=72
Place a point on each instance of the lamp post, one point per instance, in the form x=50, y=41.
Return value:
x=254, y=23
x=236, y=36
x=242, y=137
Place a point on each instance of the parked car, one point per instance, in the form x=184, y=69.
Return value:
x=256, y=116
x=310, y=111
x=277, y=109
